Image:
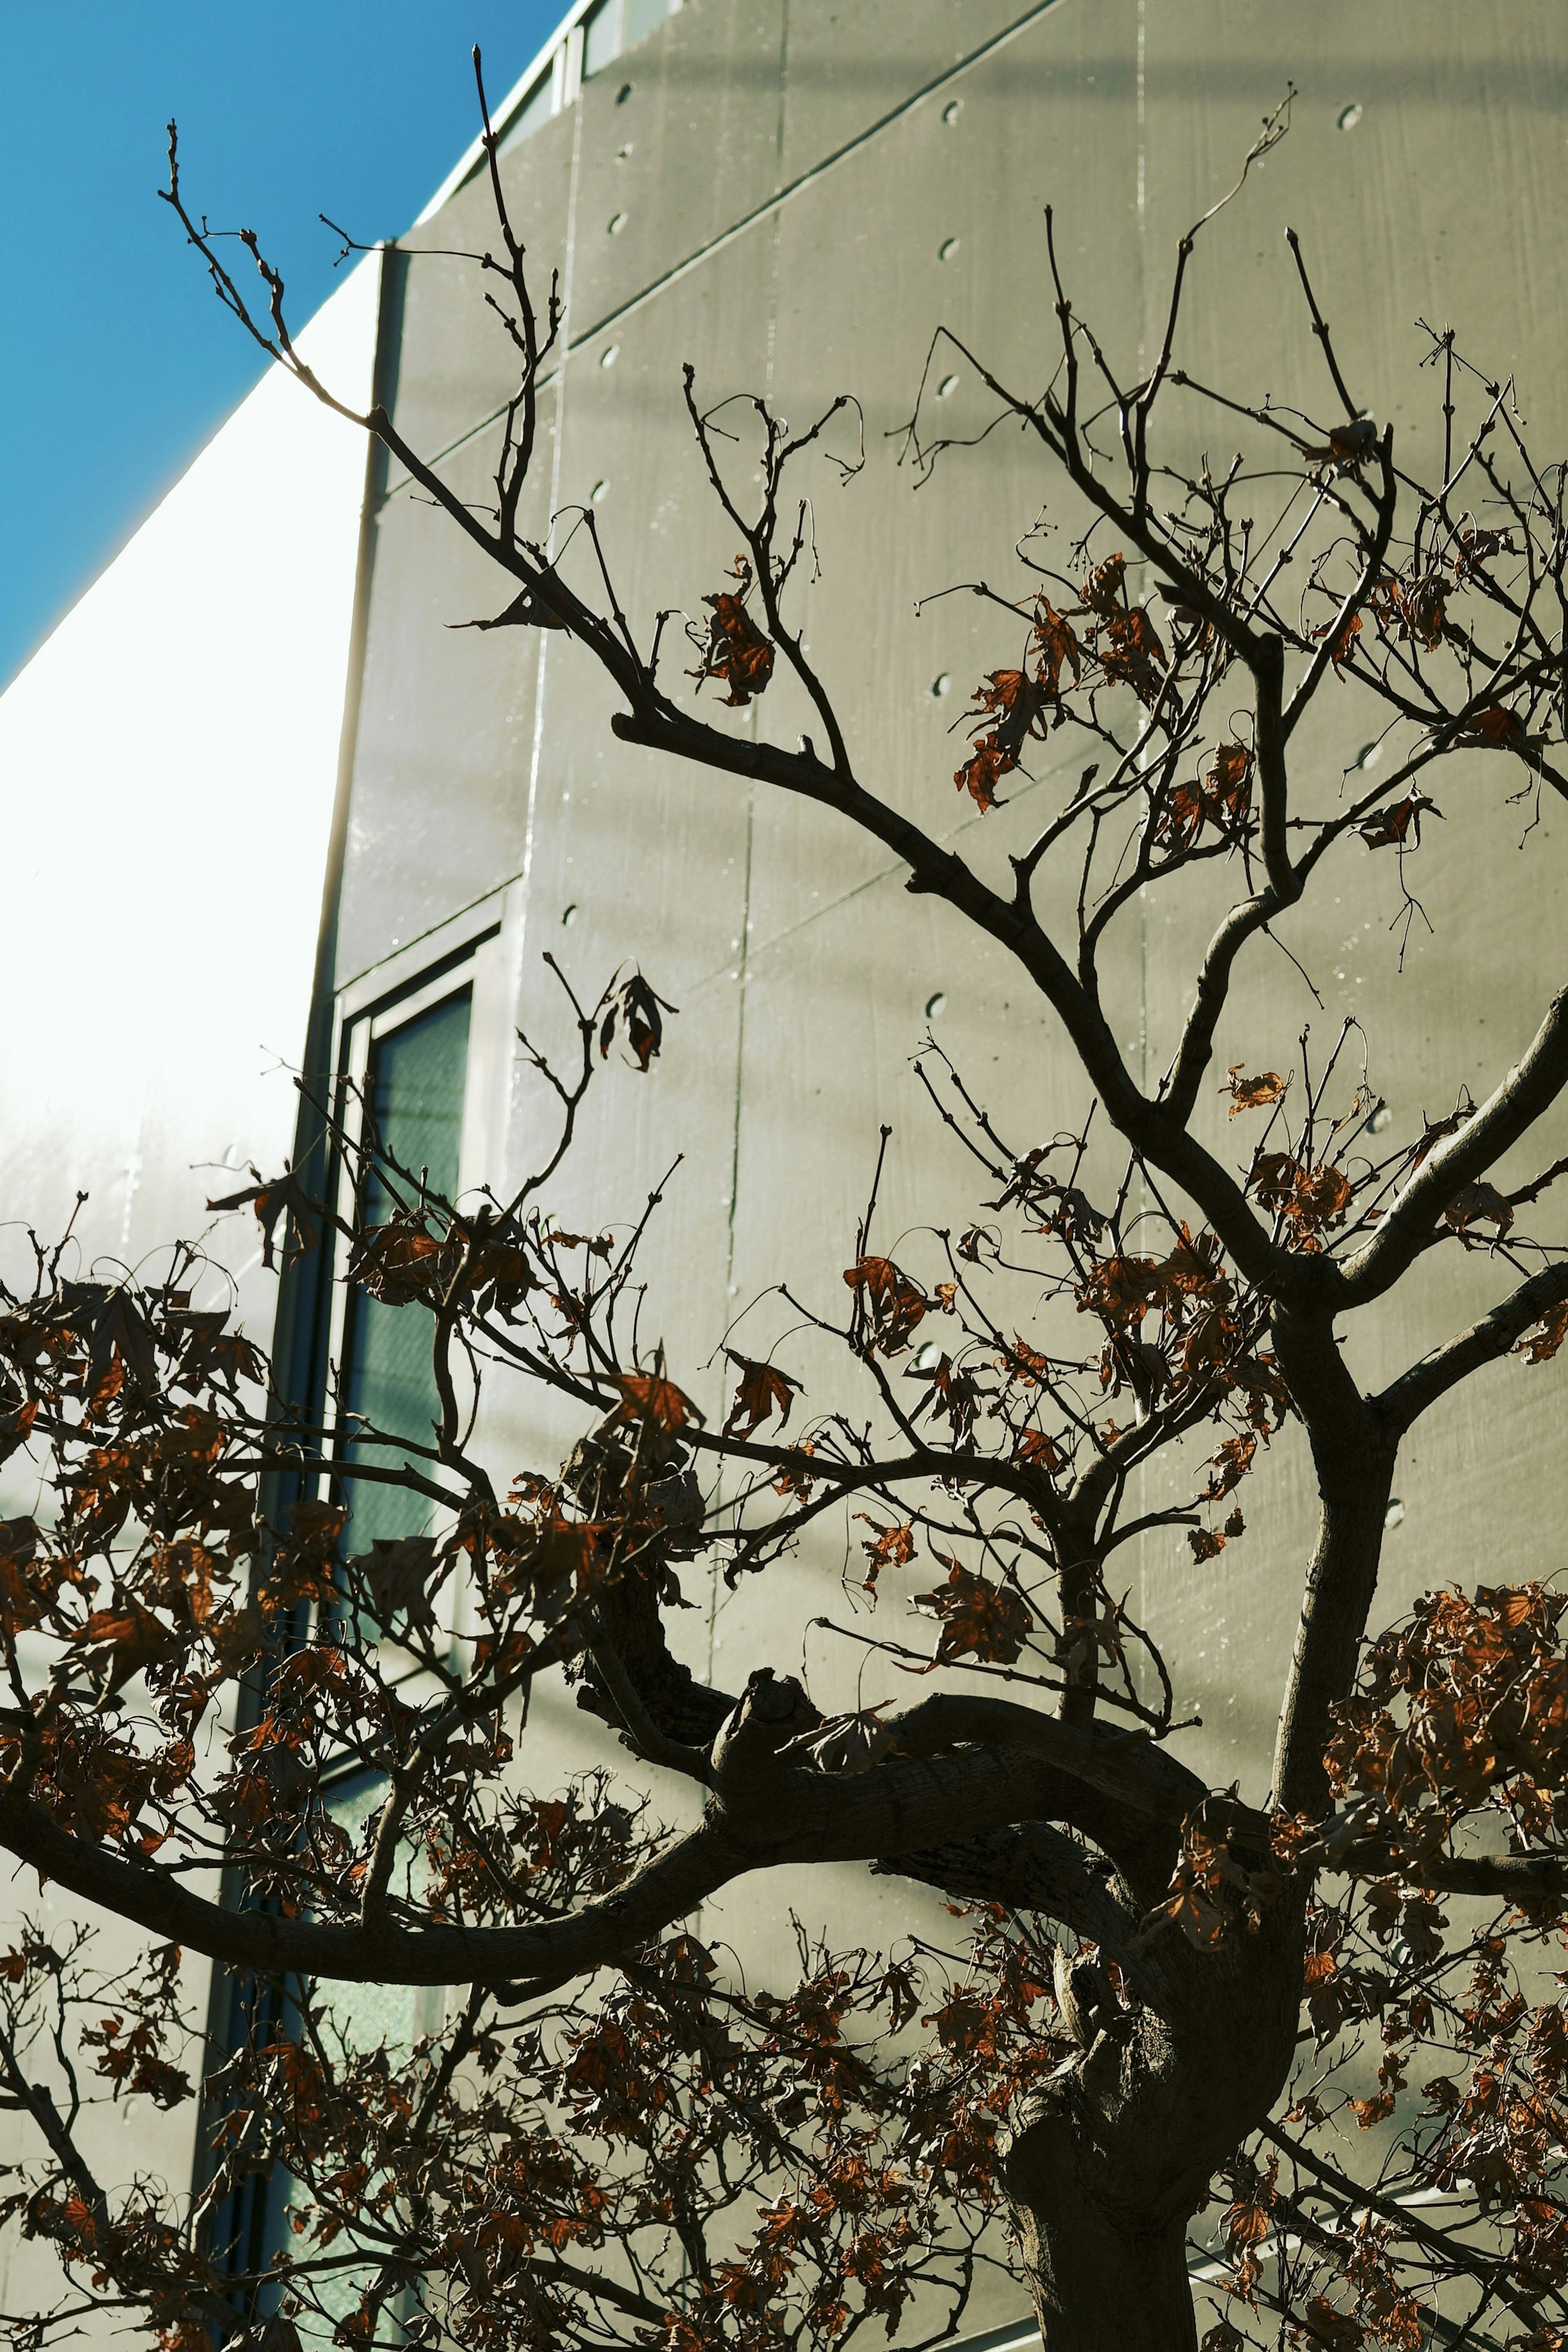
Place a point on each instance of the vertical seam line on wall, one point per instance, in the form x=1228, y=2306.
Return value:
x=302, y=1368
x=536, y=749
x=741, y=978
x=743, y=969
x=743, y=974
x=733, y=1157
x=1141, y=190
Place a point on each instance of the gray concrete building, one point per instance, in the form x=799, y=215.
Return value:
x=791, y=195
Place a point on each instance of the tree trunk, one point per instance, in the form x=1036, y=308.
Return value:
x=1108, y=2166
x=1100, y=2284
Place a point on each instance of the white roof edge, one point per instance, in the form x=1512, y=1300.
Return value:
x=499, y=115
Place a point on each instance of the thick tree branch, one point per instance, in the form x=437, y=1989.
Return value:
x=1493, y=1336
x=1146, y=1125
x=1123, y=1766
x=1500, y=1877
x=664, y=1889
x=1530, y=1088
x=1353, y=1454
x=1267, y=668
x=791, y=1815
x=649, y=1739
x=1029, y=1866
x=1197, y=1048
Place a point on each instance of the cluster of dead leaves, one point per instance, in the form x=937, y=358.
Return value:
x=761, y=1390
x=1463, y=1705
x=140, y=1404
x=1120, y=646
x=133, y=2043
x=979, y=1619
x=1226, y=1875
x=1413, y=608
x=644, y=2104
x=1539, y=1347
x=1221, y=797
x=888, y=1306
x=736, y=654
x=1398, y=826
x=1121, y=636
x=1010, y=707
x=1207, y=1543
x=1205, y=1339
x=402, y=1262
x=1309, y=1201
x=889, y=1545
x=1123, y=1289
x=273, y=1199
x=1496, y=727
x=552, y=1852
x=634, y=1004
x=140, y=1582
x=1382, y=2311
x=1252, y=1093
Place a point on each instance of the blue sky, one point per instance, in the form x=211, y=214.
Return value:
x=119, y=361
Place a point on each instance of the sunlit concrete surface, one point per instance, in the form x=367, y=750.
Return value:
x=792, y=198
x=168, y=768
x=168, y=762
x=792, y=194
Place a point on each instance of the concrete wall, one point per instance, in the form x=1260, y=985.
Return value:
x=791, y=194
x=170, y=758
x=168, y=772
x=786, y=179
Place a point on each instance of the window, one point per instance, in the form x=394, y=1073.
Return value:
x=256, y=2221
x=420, y=1054
x=367, y=2014
x=414, y=1089
x=590, y=39
x=643, y=16
x=602, y=43
x=619, y=25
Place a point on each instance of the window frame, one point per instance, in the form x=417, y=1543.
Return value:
x=476, y=951
x=558, y=70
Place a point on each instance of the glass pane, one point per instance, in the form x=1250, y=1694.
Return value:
x=414, y=1092
x=254, y=2224
x=641, y=18
x=366, y=2014
x=533, y=109
x=601, y=44
x=363, y=2015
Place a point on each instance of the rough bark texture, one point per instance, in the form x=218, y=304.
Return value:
x=1106, y=2172
x=1353, y=1453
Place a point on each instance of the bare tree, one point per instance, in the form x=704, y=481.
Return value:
x=614, y=2138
